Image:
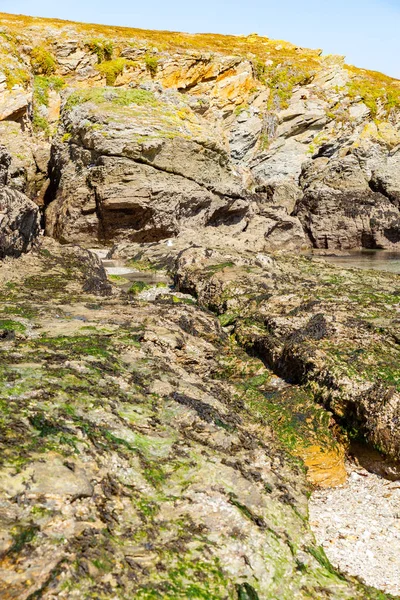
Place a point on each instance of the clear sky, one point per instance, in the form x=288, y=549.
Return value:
x=366, y=31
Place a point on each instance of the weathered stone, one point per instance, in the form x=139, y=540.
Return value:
x=136, y=182
x=133, y=451
x=339, y=209
x=50, y=478
x=14, y=105
x=19, y=222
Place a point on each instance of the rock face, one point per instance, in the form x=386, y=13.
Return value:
x=151, y=174
x=19, y=216
x=142, y=177
x=19, y=222
x=235, y=127
x=340, y=210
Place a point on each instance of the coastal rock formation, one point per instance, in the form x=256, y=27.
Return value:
x=137, y=453
x=336, y=332
x=136, y=166
x=339, y=209
x=19, y=216
x=162, y=423
x=229, y=126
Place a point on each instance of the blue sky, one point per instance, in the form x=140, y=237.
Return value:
x=366, y=31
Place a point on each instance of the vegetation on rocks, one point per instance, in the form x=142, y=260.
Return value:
x=43, y=85
x=117, y=97
x=377, y=90
x=103, y=49
x=43, y=62
x=140, y=452
x=160, y=431
x=112, y=68
x=151, y=63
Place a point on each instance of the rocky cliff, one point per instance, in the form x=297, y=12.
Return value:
x=137, y=135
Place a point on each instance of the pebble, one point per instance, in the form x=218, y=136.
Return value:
x=358, y=526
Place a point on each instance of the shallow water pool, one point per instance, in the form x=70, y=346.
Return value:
x=379, y=260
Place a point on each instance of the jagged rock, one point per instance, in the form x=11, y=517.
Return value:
x=245, y=134
x=266, y=108
x=340, y=210
x=14, y=105
x=22, y=171
x=5, y=162
x=386, y=177
x=19, y=222
x=141, y=178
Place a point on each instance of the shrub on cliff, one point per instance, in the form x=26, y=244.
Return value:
x=42, y=61
x=112, y=68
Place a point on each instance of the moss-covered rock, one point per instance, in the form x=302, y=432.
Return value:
x=138, y=451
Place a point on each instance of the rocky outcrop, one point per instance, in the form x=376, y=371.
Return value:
x=340, y=210
x=232, y=127
x=335, y=332
x=158, y=438
x=19, y=216
x=142, y=177
x=151, y=174
x=134, y=451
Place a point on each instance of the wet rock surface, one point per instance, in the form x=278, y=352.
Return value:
x=311, y=323
x=140, y=452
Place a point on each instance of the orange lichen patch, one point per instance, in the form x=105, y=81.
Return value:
x=225, y=74
x=325, y=466
x=187, y=74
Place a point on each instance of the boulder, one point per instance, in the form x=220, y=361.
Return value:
x=339, y=210
x=19, y=222
x=14, y=104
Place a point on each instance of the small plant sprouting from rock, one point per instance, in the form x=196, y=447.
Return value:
x=102, y=48
x=151, y=63
x=43, y=85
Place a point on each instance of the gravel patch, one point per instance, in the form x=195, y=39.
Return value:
x=358, y=524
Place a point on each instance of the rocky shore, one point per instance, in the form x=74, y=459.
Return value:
x=180, y=374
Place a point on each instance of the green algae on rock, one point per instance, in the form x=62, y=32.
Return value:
x=134, y=461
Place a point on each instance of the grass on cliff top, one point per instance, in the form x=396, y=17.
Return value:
x=120, y=97
x=377, y=90
x=297, y=64
x=164, y=40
